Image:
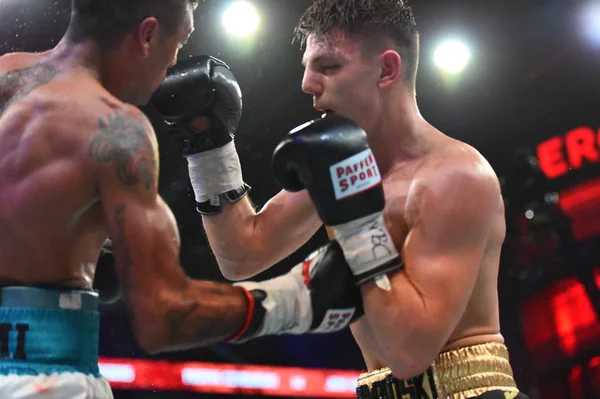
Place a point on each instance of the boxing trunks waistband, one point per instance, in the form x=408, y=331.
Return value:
x=456, y=374
x=46, y=331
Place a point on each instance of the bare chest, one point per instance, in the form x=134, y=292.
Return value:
x=397, y=220
x=397, y=213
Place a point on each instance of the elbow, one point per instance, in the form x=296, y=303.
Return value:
x=414, y=354
x=151, y=338
x=150, y=345
x=150, y=328
x=246, y=262
x=239, y=271
x=407, y=361
x=408, y=365
x=234, y=273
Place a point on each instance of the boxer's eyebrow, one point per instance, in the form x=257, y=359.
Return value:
x=316, y=59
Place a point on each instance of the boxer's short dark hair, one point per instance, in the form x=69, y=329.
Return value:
x=108, y=21
x=372, y=20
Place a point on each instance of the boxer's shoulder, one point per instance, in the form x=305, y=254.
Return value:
x=21, y=77
x=83, y=122
x=93, y=111
x=456, y=174
x=16, y=61
x=455, y=160
x=125, y=126
x=123, y=148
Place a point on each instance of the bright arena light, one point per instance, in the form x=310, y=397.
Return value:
x=241, y=19
x=452, y=56
x=591, y=22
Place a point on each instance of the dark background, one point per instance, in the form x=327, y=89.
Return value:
x=533, y=76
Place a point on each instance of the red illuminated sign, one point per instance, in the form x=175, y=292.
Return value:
x=558, y=155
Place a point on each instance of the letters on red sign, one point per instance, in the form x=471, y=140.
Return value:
x=556, y=156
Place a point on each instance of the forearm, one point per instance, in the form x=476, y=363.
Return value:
x=316, y=296
x=246, y=243
x=409, y=338
x=232, y=236
x=203, y=313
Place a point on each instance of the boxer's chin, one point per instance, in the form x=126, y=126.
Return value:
x=145, y=98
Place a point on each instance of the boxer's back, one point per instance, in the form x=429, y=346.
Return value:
x=51, y=224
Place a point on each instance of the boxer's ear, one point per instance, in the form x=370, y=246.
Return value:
x=391, y=68
x=147, y=34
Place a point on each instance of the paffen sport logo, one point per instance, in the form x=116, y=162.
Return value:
x=354, y=174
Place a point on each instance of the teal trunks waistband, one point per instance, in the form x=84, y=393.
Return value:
x=45, y=331
x=47, y=298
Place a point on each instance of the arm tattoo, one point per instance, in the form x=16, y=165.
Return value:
x=218, y=317
x=123, y=143
x=15, y=85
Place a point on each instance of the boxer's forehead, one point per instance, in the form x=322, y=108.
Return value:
x=333, y=44
x=186, y=28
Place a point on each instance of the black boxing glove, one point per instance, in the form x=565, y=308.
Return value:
x=205, y=87
x=331, y=159
x=316, y=296
x=201, y=86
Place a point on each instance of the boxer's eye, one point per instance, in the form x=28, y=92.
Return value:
x=329, y=68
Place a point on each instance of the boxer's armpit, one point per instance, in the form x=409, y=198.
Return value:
x=123, y=142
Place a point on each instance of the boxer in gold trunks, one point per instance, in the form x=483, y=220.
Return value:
x=432, y=329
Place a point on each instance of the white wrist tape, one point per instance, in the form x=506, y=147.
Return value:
x=288, y=305
x=367, y=246
x=215, y=172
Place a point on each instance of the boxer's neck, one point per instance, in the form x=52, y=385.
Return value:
x=89, y=56
x=70, y=55
x=401, y=134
